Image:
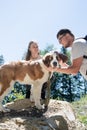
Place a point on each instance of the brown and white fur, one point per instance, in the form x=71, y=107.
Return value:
x=28, y=72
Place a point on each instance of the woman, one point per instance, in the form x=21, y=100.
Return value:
x=33, y=51
x=33, y=54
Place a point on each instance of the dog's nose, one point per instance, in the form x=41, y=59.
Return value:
x=54, y=64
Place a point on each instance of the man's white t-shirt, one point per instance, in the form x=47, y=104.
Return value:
x=79, y=49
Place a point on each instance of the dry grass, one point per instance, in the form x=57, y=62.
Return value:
x=80, y=108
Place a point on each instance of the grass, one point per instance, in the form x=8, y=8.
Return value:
x=80, y=108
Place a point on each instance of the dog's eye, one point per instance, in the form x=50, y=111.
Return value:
x=57, y=57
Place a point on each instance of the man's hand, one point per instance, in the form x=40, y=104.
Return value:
x=63, y=65
x=52, y=69
x=56, y=69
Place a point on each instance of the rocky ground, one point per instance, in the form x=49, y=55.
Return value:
x=24, y=116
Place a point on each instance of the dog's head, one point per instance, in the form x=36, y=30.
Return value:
x=53, y=59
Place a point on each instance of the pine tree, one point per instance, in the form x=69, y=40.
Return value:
x=1, y=60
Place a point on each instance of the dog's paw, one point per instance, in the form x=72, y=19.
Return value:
x=31, y=98
x=39, y=106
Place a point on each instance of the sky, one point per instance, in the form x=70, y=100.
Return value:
x=24, y=20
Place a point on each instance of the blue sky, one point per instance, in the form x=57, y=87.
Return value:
x=24, y=20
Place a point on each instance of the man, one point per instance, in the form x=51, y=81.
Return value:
x=78, y=53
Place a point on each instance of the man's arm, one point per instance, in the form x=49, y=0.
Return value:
x=73, y=69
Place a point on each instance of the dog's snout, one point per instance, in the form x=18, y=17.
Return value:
x=54, y=64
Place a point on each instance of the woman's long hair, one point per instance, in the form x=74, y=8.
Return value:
x=28, y=54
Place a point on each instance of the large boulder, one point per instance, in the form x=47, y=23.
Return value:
x=24, y=116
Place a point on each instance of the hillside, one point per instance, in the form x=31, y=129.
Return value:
x=24, y=116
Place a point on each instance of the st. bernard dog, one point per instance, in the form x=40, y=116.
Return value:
x=28, y=72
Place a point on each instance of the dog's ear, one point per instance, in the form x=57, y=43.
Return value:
x=62, y=57
x=46, y=61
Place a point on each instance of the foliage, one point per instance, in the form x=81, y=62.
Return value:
x=67, y=87
x=18, y=92
x=1, y=60
x=47, y=49
x=80, y=108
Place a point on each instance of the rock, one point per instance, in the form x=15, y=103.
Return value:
x=24, y=116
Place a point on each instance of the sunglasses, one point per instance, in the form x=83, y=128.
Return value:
x=60, y=38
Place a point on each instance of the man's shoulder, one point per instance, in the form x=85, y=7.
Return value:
x=80, y=40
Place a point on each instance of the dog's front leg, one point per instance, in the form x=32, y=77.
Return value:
x=31, y=94
x=37, y=95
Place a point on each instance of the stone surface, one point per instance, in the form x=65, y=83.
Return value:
x=24, y=116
